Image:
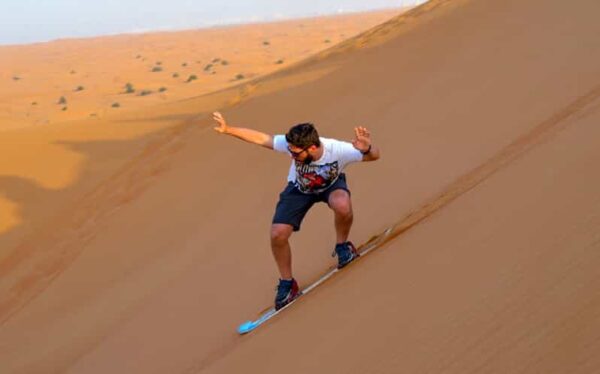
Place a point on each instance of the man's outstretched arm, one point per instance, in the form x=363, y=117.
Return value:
x=249, y=135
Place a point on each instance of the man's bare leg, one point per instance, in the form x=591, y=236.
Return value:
x=280, y=245
x=340, y=203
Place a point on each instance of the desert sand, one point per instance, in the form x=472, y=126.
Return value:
x=92, y=76
x=157, y=247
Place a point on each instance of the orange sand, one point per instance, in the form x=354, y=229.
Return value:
x=486, y=113
x=103, y=66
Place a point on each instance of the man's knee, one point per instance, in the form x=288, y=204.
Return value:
x=280, y=233
x=340, y=202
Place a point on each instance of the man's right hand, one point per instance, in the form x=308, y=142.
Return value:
x=222, y=125
x=248, y=135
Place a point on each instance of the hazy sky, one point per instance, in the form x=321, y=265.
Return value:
x=27, y=21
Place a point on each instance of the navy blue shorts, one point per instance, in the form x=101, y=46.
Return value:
x=293, y=204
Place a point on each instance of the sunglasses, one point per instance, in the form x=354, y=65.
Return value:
x=296, y=154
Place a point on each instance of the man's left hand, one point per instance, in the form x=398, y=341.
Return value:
x=362, y=139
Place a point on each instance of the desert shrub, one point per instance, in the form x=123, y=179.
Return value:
x=156, y=69
x=16, y=78
x=158, y=62
x=208, y=67
x=279, y=62
x=192, y=77
x=175, y=75
x=79, y=88
x=116, y=105
x=184, y=64
x=62, y=101
x=145, y=92
x=64, y=108
x=224, y=62
x=215, y=60
x=34, y=103
x=129, y=88
x=327, y=41
x=239, y=76
x=162, y=89
x=266, y=42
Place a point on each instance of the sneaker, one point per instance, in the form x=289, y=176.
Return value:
x=287, y=291
x=346, y=253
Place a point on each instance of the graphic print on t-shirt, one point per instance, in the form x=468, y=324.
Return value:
x=322, y=173
x=316, y=178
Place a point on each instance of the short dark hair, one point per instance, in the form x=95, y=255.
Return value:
x=303, y=135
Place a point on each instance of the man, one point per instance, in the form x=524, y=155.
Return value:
x=316, y=175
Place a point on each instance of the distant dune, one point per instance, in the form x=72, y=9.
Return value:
x=141, y=248
x=91, y=78
x=87, y=90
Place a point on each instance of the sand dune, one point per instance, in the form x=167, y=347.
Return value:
x=102, y=67
x=486, y=113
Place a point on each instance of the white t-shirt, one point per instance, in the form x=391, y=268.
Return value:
x=322, y=173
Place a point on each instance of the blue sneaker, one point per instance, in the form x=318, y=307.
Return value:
x=346, y=253
x=287, y=291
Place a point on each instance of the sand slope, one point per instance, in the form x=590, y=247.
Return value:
x=486, y=114
x=52, y=157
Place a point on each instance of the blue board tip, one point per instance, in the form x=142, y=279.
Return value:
x=246, y=327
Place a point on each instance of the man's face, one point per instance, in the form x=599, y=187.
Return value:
x=304, y=155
